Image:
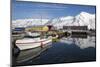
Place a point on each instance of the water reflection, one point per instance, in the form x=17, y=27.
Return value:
x=69, y=49
x=82, y=42
x=26, y=55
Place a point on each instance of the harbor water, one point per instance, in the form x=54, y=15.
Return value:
x=66, y=50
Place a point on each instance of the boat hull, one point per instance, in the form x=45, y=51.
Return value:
x=29, y=44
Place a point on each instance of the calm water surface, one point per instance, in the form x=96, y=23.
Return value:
x=70, y=49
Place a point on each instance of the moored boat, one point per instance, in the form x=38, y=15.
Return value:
x=33, y=42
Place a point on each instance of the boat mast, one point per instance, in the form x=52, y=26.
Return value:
x=41, y=19
x=41, y=36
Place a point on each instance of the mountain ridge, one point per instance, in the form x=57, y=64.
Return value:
x=82, y=19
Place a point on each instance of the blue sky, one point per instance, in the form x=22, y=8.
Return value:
x=22, y=10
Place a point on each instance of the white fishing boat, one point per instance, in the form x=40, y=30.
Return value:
x=32, y=42
x=32, y=34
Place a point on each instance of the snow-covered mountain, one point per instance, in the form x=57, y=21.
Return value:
x=79, y=20
x=60, y=22
x=85, y=19
x=28, y=22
